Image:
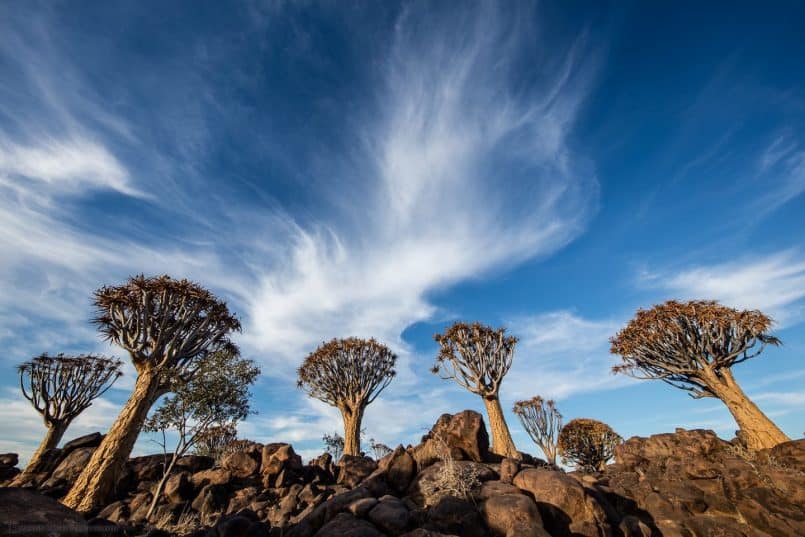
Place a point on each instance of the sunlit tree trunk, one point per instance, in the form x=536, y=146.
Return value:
x=758, y=431
x=352, y=429
x=502, y=443
x=52, y=438
x=96, y=483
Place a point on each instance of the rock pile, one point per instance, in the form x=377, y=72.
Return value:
x=687, y=483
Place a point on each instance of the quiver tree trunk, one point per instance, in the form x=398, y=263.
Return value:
x=97, y=482
x=502, y=443
x=52, y=438
x=352, y=429
x=756, y=429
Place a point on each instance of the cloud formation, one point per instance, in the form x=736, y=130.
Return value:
x=466, y=174
x=774, y=283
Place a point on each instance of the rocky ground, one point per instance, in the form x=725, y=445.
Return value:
x=687, y=484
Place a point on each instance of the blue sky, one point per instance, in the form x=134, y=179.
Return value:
x=376, y=169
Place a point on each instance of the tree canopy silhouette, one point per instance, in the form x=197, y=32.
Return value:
x=60, y=388
x=348, y=374
x=477, y=357
x=165, y=325
x=587, y=444
x=542, y=421
x=693, y=346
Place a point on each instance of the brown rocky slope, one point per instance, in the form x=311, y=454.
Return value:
x=687, y=483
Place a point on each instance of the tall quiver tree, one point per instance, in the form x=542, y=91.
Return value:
x=693, y=346
x=348, y=374
x=60, y=388
x=542, y=421
x=477, y=357
x=165, y=325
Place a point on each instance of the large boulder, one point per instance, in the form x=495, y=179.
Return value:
x=512, y=515
x=91, y=440
x=682, y=444
x=8, y=466
x=241, y=464
x=455, y=516
x=390, y=515
x=464, y=436
x=69, y=469
x=280, y=466
x=346, y=525
x=692, y=482
x=352, y=469
x=400, y=468
x=566, y=508
x=178, y=488
x=26, y=512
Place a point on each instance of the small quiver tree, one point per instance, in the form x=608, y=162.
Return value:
x=693, y=346
x=477, y=357
x=215, y=397
x=165, y=325
x=60, y=388
x=213, y=441
x=379, y=450
x=348, y=374
x=542, y=421
x=334, y=445
x=587, y=444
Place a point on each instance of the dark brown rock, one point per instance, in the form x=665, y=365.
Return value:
x=240, y=464
x=216, y=476
x=564, y=505
x=390, y=516
x=69, y=469
x=178, y=488
x=353, y=469
x=512, y=515
x=508, y=469
x=455, y=516
x=91, y=440
x=400, y=468
x=211, y=499
x=9, y=459
x=25, y=512
x=346, y=525
x=464, y=435
x=682, y=444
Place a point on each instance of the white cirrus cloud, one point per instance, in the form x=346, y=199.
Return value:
x=774, y=283
x=457, y=174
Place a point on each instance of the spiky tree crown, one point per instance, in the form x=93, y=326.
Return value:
x=587, y=443
x=541, y=420
x=679, y=341
x=61, y=387
x=162, y=322
x=476, y=356
x=350, y=371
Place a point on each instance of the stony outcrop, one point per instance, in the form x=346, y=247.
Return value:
x=687, y=483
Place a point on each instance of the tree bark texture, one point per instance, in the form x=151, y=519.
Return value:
x=502, y=443
x=95, y=485
x=757, y=429
x=52, y=438
x=352, y=430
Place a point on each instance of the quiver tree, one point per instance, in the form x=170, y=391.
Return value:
x=216, y=397
x=60, y=388
x=348, y=374
x=165, y=325
x=477, y=357
x=334, y=445
x=542, y=421
x=587, y=444
x=693, y=346
x=214, y=440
